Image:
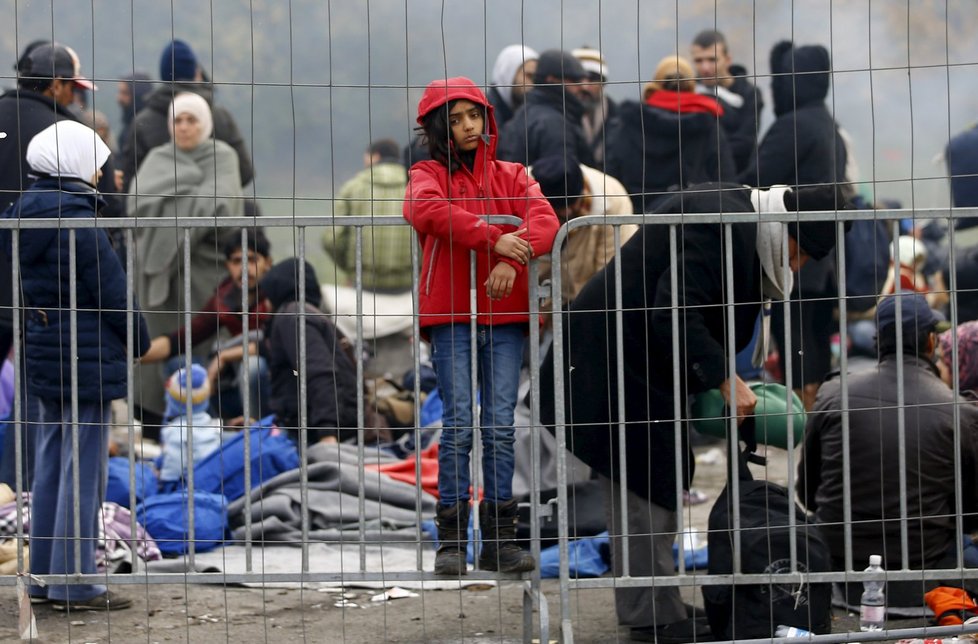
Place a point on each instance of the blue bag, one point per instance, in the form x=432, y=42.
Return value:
x=588, y=556
x=222, y=471
x=117, y=489
x=166, y=519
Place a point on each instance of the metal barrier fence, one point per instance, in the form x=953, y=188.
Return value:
x=534, y=599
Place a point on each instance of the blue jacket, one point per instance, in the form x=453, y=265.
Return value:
x=101, y=293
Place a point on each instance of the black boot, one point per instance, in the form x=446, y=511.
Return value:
x=453, y=527
x=499, y=548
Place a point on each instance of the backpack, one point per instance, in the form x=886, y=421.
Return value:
x=755, y=611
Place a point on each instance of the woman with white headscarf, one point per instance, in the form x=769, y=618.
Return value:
x=512, y=78
x=67, y=158
x=193, y=175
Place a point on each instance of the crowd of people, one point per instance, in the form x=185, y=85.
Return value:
x=545, y=144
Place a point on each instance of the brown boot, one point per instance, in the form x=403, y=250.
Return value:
x=453, y=527
x=499, y=548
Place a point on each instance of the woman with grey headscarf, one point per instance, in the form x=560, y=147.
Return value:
x=191, y=176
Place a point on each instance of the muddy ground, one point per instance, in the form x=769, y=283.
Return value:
x=214, y=613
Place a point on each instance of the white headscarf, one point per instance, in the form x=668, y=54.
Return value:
x=188, y=102
x=509, y=60
x=775, y=283
x=67, y=149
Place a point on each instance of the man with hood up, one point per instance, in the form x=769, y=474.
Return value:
x=180, y=72
x=512, y=79
x=590, y=370
x=549, y=122
x=803, y=148
x=331, y=382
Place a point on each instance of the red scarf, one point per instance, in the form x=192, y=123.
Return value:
x=684, y=102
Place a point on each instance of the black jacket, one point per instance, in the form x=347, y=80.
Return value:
x=331, y=383
x=874, y=469
x=654, y=151
x=590, y=365
x=23, y=115
x=740, y=123
x=149, y=129
x=501, y=110
x=803, y=145
x=547, y=124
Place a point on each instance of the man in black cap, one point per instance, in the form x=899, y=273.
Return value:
x=590, y=367
x=46, y=79
x=549, y=122
x=928, y=407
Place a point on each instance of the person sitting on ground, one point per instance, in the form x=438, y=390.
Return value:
x=329, y=369
x=223, y=312
x=187, y=394
x=875, y=407
x=967, y=341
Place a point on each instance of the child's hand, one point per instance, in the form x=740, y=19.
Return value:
x=513, y=246
x=500, y=282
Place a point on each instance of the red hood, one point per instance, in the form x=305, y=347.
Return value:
x=439, y=92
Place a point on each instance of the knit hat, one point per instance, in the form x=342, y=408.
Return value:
x=188, y=102
x=178, y=62
x=967, y=354
x=559, y=64
x=179, y=392
x=560, y=179
x=672, y=68
x=504, y=70
x=592, y=61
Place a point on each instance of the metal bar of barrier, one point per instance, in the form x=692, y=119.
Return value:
x=188, y=428
x=130, y=417
x=303, y=429
x=901, y=411
x=19, y=387
x=620, y=404
x=956, y=410
x=358, y=355
x=73, y=344
x=677, y=398
x=244, y=381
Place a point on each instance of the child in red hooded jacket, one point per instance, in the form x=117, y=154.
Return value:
x=446, y=201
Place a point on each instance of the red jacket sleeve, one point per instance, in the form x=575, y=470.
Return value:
x=428, y=208
x=539, y=218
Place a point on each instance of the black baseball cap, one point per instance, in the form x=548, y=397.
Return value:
x=53, y=60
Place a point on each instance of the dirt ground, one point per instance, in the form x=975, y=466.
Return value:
x=208, y=614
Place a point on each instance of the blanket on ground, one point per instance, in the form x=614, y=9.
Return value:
x=389, y=510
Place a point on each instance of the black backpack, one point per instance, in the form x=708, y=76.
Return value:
x=755, y=611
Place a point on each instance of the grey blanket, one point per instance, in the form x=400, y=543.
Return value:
x=389, y=506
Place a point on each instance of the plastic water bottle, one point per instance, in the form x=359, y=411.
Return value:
x=872, y=606
x=791, y=631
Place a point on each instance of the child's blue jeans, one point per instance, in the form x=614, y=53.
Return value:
x=499, y=354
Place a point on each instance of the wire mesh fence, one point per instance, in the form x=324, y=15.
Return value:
x=326, y=341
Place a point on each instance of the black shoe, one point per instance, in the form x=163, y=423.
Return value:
x=687, y=630
x=500, y=551
x=453, y=525
x=106, y=601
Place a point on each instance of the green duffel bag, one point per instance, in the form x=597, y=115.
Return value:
x=710, y=415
